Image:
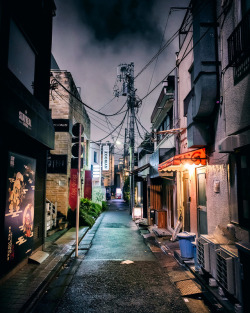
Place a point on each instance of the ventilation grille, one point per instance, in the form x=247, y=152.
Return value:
x=225, y=270
x=203, y=253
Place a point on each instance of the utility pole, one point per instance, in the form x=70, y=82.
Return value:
x=125, y=74
x=131, y=105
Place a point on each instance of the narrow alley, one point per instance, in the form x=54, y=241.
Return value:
x=119, y=273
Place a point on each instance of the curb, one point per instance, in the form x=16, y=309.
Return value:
x=34, y=298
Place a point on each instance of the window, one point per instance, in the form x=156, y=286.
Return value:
x=245, y=6
x=95, y=157
x=21, y=57
x=240, y=187
x=243, y=166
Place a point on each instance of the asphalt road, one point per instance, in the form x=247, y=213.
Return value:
x=101, y=281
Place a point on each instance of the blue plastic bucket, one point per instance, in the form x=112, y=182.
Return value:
x=185, y=243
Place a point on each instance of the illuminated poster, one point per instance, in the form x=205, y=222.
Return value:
x=19, y=210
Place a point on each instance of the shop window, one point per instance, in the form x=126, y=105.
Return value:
x=21, y=57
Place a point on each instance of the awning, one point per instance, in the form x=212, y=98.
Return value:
x=196, y=157
x=140, y=169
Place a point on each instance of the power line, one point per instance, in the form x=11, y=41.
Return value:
x=71, y=93
x=115, y=128
x=62, y=97
x=156, y=60
x=202, y=5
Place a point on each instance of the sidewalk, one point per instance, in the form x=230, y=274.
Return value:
x=19, y=292
x=191, y=283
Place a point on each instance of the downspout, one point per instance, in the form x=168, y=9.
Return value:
x=176, y=108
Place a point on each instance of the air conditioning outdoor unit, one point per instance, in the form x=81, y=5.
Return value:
x=229, y=270
x=203, y=253
x=207, y=246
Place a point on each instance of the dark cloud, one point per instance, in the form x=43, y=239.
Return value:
x=109, y=20
x=92, y=37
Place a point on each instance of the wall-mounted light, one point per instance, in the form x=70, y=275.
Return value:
x=189, y=167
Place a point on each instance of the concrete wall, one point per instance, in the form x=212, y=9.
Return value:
x=236, y=97
x=217, y=201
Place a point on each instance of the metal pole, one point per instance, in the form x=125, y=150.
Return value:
x=131, y=103
x=78, y=187
x=100, y=164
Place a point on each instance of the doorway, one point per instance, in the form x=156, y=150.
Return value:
x=201, y=201
x=186, y=201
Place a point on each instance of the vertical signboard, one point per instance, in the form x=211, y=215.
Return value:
x=88, y=185
x=73, y=188
x=19, y=208
x=105, y=165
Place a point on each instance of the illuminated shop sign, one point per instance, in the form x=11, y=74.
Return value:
x=105, y=166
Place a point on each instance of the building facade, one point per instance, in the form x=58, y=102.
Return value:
x=66, y=111
x=212, y=103
x=163, y=188
x=27, y=131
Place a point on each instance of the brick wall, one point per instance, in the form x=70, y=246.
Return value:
x=64, y=106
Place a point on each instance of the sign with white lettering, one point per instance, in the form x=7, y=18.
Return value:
x=61, y=125
x=105, y=165
x=24, y=119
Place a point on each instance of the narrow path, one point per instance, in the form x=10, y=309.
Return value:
x=103, y=283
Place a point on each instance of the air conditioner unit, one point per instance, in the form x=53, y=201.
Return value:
x=229, y=270
x=202, y=252
x=207, y=246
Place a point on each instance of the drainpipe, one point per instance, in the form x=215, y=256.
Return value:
x=176, y=108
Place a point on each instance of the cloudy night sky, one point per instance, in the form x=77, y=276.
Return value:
x=92, y=37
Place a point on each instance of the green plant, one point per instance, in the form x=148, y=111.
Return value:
x=104, y=205
x=88, y=212
x=85, y=219
x=126, y=192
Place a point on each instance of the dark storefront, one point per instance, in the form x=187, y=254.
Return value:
x=26, y=128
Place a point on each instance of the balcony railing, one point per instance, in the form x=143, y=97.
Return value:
x=239, y=43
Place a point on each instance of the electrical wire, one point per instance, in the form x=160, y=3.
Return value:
x=61, y=97
x=71, y=93
x=138, y=129
x=142, y=125
x=162, y=39
x=115, y=128
x=106, y=104
x=202, y=6
x=183, y=57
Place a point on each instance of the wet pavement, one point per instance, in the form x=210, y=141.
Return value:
x=121, y=272
x=121, y=267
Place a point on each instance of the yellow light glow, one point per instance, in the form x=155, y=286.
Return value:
x=189, y=167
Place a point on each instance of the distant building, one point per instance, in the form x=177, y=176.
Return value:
x=66, y=110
